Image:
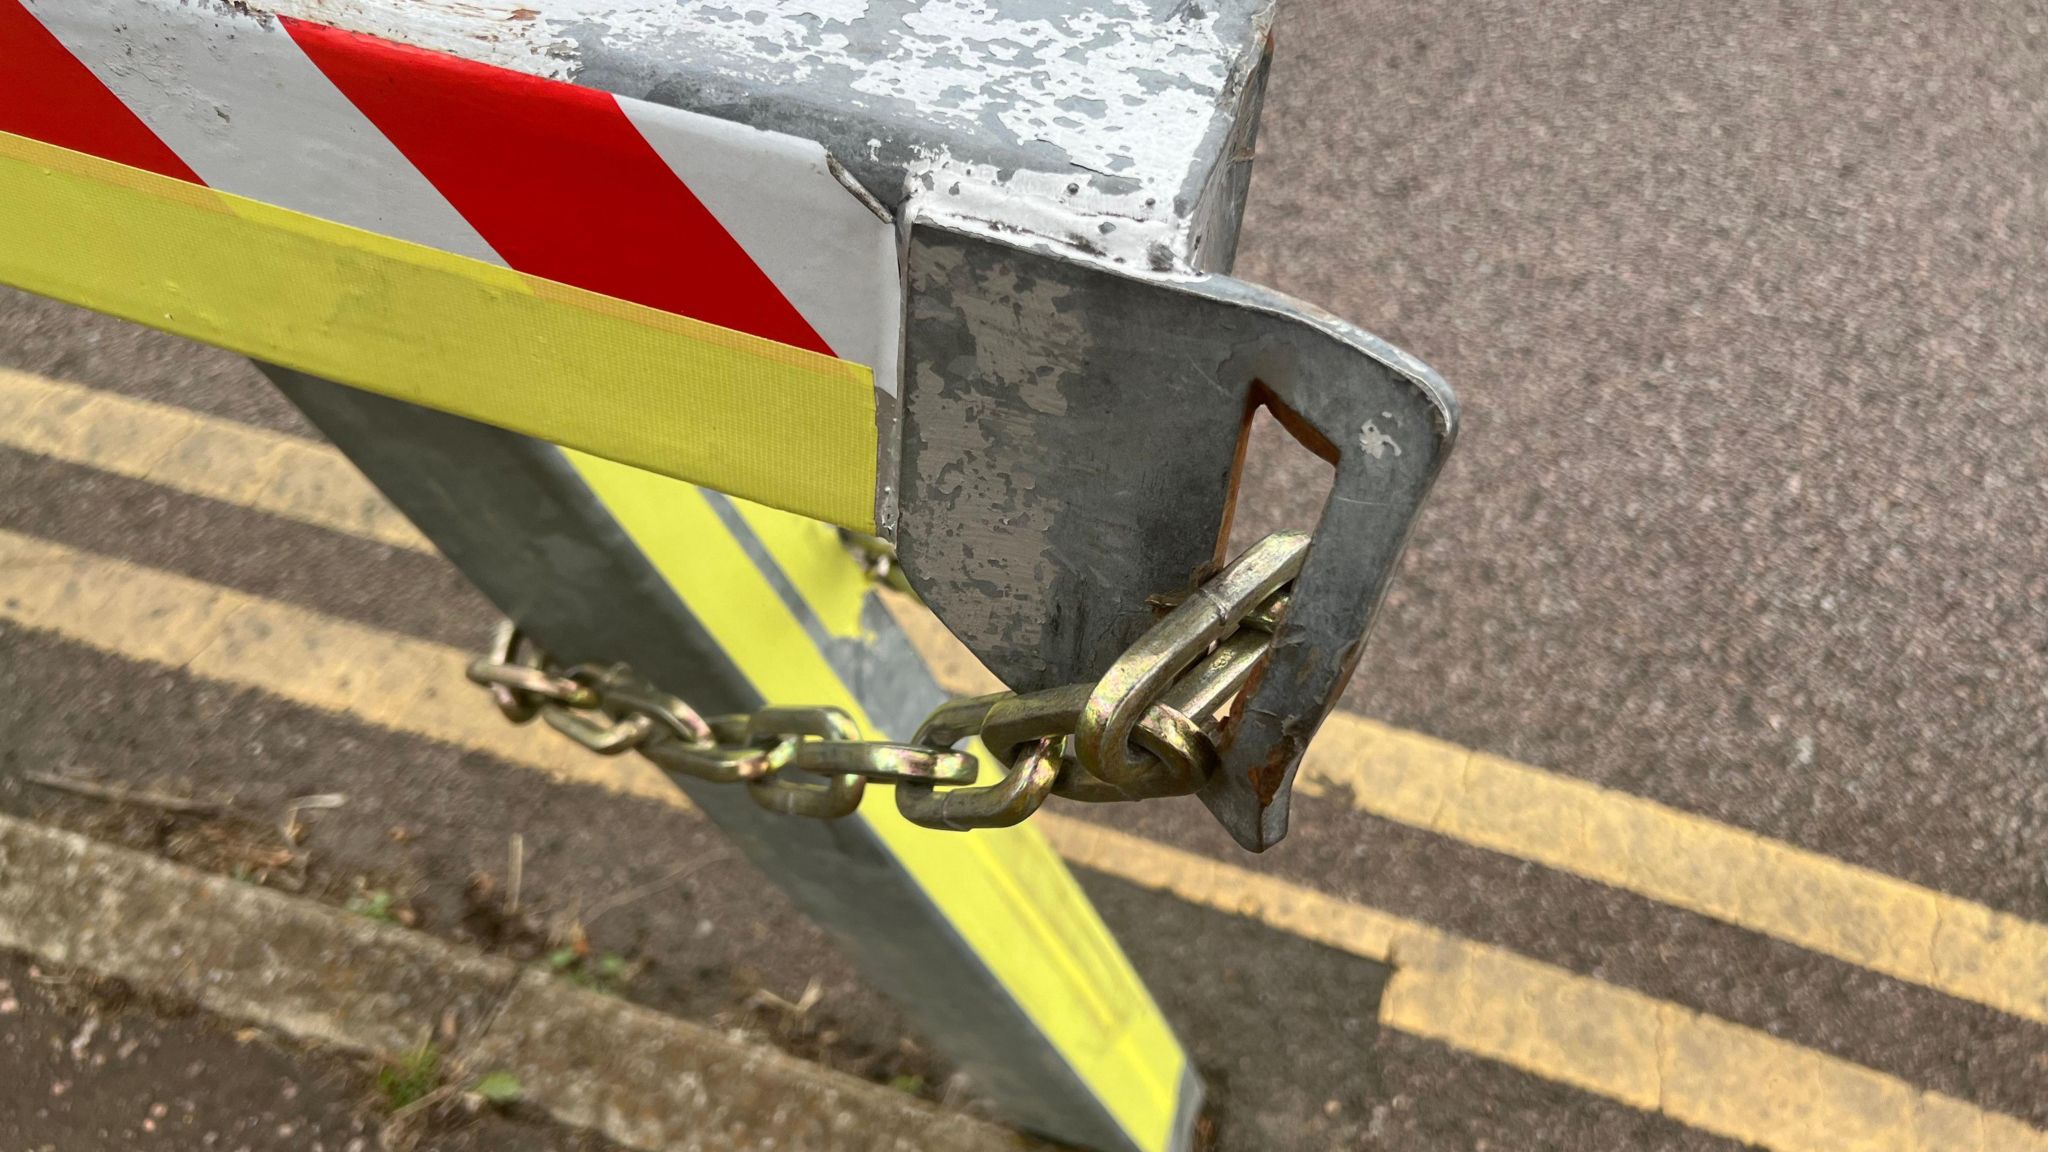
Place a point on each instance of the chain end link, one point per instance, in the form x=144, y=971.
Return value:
x=1147, y=729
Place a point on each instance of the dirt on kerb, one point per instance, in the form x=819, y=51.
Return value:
x=400, y=873
x=87, y=1063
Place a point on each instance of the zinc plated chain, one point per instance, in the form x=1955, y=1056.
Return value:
x=1147, y=729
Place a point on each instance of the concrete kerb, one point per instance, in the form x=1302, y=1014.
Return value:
x=313, y=972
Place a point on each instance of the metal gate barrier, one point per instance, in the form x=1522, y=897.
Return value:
x=637, y=309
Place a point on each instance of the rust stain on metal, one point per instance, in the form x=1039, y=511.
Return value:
x=1271, y=772
x=1228, y=736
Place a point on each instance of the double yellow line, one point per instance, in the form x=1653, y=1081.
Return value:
x=1648, y=1053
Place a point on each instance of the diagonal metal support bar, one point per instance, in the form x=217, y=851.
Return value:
x=984, y=940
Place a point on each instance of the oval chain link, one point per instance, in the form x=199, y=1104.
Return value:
x=1148, y=729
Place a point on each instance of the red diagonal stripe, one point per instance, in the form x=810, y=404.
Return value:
x=558, y=181
x=47, y=95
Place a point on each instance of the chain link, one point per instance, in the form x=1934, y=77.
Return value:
x=1148, y=728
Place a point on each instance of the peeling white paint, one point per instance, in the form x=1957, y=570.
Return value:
x=1376, y=442
x=1117, y=96
x=775, y=41
x=1121, y=227
x=506, y=33
x=1114, y=89
x=1120, y=92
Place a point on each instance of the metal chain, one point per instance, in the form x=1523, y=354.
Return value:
x=1148, y=728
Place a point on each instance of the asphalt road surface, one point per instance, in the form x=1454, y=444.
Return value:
x=1745, y=305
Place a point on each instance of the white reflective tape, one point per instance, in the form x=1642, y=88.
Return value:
x=812, y=236
x=241, y=104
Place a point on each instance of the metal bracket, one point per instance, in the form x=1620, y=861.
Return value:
x=1072, y=433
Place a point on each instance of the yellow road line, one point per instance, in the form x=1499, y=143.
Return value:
x=1864, y=917
x=219, y=459
x=1954, y=946
x=385, y=679
x=1570, y=1029
x=1699, y=1070
x=1957, y=947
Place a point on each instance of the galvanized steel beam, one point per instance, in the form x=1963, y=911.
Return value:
x=1037, y=1004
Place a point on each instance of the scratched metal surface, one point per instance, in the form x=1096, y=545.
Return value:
x=1070, y=438
x=1120, y=127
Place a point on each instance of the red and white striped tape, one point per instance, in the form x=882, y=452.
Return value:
x=748, y=230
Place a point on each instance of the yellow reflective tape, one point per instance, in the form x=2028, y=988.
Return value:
x=619, y=380
x=813, y=557
x=1006, y=892
x=1027, y=890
